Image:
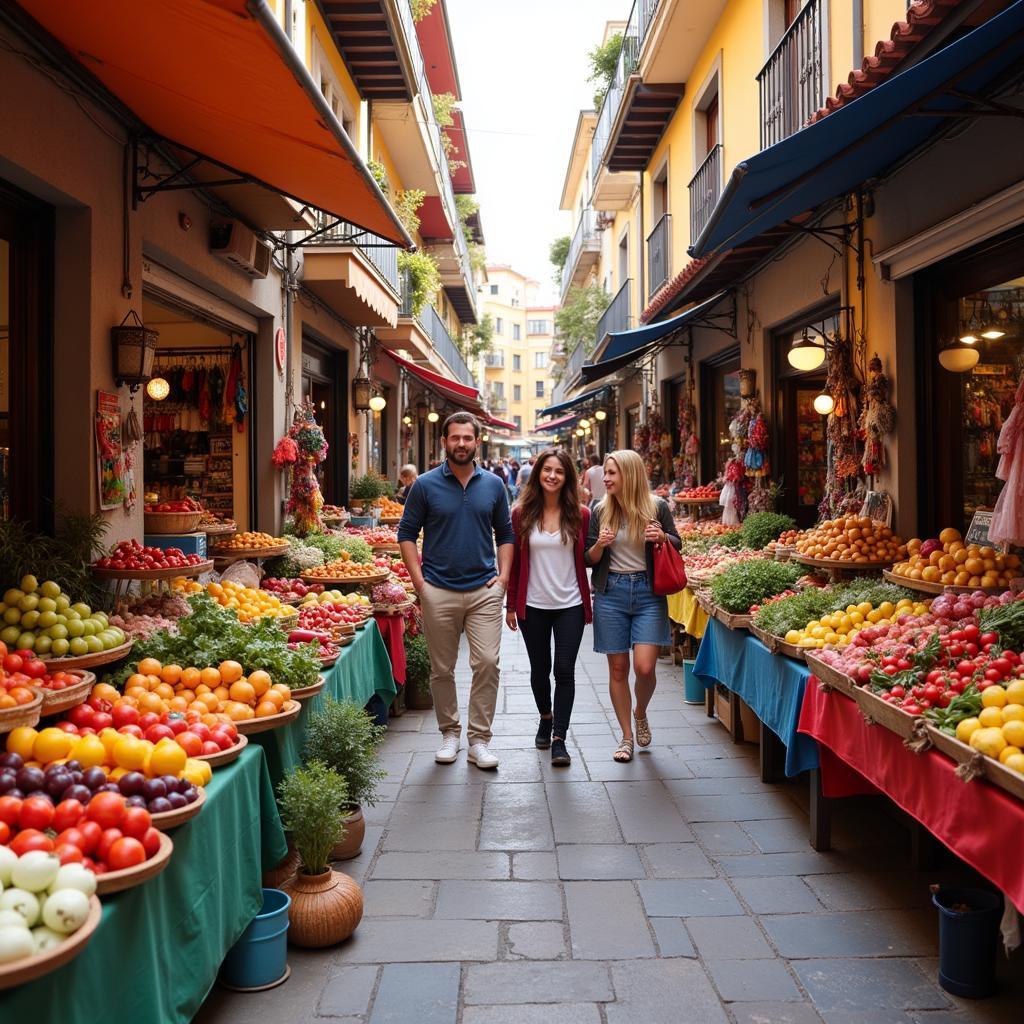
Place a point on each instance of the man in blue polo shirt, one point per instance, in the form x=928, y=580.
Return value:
x=463, y=512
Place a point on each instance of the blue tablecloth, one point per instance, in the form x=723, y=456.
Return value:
x=772, y=684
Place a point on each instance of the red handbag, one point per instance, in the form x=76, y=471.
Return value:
x=669, y=572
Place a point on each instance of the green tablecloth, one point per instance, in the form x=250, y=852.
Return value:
x=364, y=669
x=156, y=953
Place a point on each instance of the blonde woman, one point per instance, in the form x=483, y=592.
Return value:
x=628, y=615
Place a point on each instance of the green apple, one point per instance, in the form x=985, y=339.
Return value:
x=82, y=608
x=59, y=648
x=9, y=635
x=78, y=646
x=28, y=603
x=58, y=632
x=47, y=604
x=93, y=644
x=44, y=619
x=63, y=602
x=43, y=645
x=13, y=596
x=50, y=589
x=29, y=620
x=76, y=628
x=26, y=641
x=12, y=616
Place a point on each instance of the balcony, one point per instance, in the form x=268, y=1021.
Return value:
x=659, y=254
x=497, y=404
x=792, y=82
x=445, y=347
x=558, y=354
x=584, y=251
x=366, y=34
x=573, y=366
x=494, y=360
x=618, y=315
x=705, y=189
x=353, y=271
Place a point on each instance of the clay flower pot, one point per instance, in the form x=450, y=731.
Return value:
x=325, y=909
x=283, y=872
x=355, y=832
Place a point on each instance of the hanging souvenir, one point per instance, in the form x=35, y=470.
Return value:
x=302, y=449
x=877, y=417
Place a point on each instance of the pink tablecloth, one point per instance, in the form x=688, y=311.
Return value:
x=392, y=629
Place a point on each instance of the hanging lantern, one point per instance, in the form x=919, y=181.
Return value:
x=158, y=389
x=600, y=415
x=432, y=416
x=134, y=347
x=361, y=391
x=806, y=354
x=824, y=404
x=959, y=357
x=584, y=423
x=378, y=403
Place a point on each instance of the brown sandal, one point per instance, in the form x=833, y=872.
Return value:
x=643, y=730
x=624, y=751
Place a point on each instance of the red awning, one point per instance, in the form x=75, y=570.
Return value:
x=221, y=79
x=461, y=395
x=501, y=424
x=555, y=424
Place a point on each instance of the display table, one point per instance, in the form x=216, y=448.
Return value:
x=772, y=685
x=158, y=948
x=684, y=609
x=362, y=670
x=981, y=824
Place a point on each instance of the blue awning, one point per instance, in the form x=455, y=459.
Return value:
x=862, y=139
x=625, y=347
x=587, y=396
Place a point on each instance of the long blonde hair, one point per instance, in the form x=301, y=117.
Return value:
x=632, y=506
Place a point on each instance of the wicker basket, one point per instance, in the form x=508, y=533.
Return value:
x=175, y=523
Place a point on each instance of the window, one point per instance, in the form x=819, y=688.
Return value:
x=516, y=334
x=498, y=389
x=537, y=327
x=518, y=421
x=540, y=389
x=494, y=289
x=517, y=364
x=330, y=87
x=540, y=360
x=499, y=325
x=517, y=392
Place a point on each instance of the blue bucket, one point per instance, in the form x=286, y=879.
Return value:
x=693, y=689
x=968, y=940
x=259, y=959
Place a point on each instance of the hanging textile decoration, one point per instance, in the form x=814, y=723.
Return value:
x=1007, y=526
x=652, y=449
x=756, y=457
x=303, y=448
x=689, y=444
x=844, y=486
x=877, y=418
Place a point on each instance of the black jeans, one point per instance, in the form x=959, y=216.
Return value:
x=567, y=626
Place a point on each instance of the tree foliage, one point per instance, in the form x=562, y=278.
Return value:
x=475, y=341
x=603, y=59
x=558, y=253
x=424, y=277
x=421, y=8
x=576, y=321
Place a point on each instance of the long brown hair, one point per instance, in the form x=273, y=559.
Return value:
x=530, y=502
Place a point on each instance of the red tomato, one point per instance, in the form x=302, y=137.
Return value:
x=12, y=663
x=71, y=836
x=131, y=730
x=91, y=833
x=101, y=720
x=151, y=842
x=34, y=668
x=106, y=809
x=68, y=727
x=190, y=743
x=125, y=714
x=5, y=833
x=136, y=822
x=10, y=808
x=81, y=715
x=148, y=719
x=107, y=840
x=125, y=853
x=31, y=839
x=68, y=854
x=66, y=814
x=210, y=747
x=201, y=729
x=156, y=733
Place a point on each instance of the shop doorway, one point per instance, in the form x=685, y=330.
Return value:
x=26, y=359
x=719, y=404
x=324, y=376
x=197, y=437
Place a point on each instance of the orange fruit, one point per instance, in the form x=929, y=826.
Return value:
x=164, y=690
x=284, y=689
x=230, y=672
x=177, y=704
x=150, y=666
x=274, y=697
x=208, y=701
x=210, y=676
x=135, y=679
x=151, y=702
x=222, y=693
x=243, y=692
x=134, y=692
x=266, y=708
x=260, y=681
x=201, y=689
x=189, y=677
x=152, y=682
x=171, y=673
x=105, y=691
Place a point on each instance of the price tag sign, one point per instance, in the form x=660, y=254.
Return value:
x=280, y=348
x=977, y=532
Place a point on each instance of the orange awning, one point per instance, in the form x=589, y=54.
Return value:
x=220, y=78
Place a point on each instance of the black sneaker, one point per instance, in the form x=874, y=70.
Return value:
x=559, y=755
x=543, y=739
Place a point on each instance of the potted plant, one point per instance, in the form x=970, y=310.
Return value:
x=417, y=673
x=365, y=490
x=342, y=736
x=327, y=905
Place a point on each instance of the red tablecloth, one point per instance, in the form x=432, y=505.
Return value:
x=981, y=824
x=392, y=629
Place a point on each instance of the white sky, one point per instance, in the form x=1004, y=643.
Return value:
x=523, y=68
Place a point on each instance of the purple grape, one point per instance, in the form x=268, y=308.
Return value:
x=109, y=787
x=94, y=778
x=17, y=793
x=76, y=775
x=153, y=789
x=12, y=760
x=176, y=800
x=160, y=804
x=172, y=782
x=76, y=791
x=57, y=783
x=135, y=801
x=191, y=795
x=73, y=766
x=8, y=781
x=30, y=780
x=131, y=783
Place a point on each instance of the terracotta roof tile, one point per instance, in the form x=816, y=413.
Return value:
x=671, y=289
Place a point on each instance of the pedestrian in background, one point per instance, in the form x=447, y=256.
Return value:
x=406, y=478
x=548, y=592
x=593, y=480
x=628, y=615
x=463, y=513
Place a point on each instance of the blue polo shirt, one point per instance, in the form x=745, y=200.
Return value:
x=460, y=526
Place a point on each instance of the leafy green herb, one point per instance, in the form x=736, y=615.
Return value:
x=343, y=736
x=311, y=801
x=760, y=528
x=749, y=583
x=1007, y=620
x=964, y=705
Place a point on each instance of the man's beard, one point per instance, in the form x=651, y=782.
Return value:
x=462, y=458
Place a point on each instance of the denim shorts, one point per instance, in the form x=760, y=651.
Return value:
x=627, y=613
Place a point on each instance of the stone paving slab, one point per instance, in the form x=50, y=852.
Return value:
x=607, y=921
x=647, y=813
x=536, y=940
x=426, y=993
x=582, y=813
x=482, y=864
x=728, y=938
x=686, y=897
x=861, y=934
x=657, y=991
x=537, y=982
x=499, y=901
x=410, y=940
x=516, y=817
x=598, y=862
x=398, y=899
x=348, y=992
x=677, y=860
x=777, y=895
x=868, y=986
x=752, y=980
x=568, y=1013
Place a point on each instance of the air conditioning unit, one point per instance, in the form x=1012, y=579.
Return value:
x=238, y=245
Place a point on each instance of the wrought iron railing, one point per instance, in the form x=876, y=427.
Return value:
x=444, y=346
x=659, y=254
x=379, y=251
x=494, y=360
x=575, y=362
x=586, y=236
x=792, y=81
x=705, y=189
x=617, y=316
x=628, y=56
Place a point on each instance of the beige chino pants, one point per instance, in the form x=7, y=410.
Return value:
x=447, y=614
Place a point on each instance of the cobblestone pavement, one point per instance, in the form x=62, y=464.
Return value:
x=678, y=888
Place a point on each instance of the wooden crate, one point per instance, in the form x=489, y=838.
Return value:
x=750, y=724
x=999, y=775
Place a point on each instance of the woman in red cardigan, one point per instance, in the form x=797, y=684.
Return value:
x=548, y=593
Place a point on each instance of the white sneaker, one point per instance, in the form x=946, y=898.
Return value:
x=481, y=756
x=449, y=749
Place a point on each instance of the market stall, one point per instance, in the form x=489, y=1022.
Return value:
x=159, y=946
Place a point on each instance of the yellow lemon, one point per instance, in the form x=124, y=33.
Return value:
x=1013, y=713
x=1015, y=692
x=989, y=741
x=874, y=616
x=21, y=741
x=1013, y=733
x=792, y=637
x=89, y=751
x=966, y=728
x=993, y=697
x=886, y=608
x=1015, y=763
x=1007, y=753
x=991, y=717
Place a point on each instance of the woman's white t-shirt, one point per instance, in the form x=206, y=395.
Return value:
x=552, y=582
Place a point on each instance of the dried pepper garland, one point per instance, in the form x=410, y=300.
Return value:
x=843, y=487
x=877, y=417
x=689, y=444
